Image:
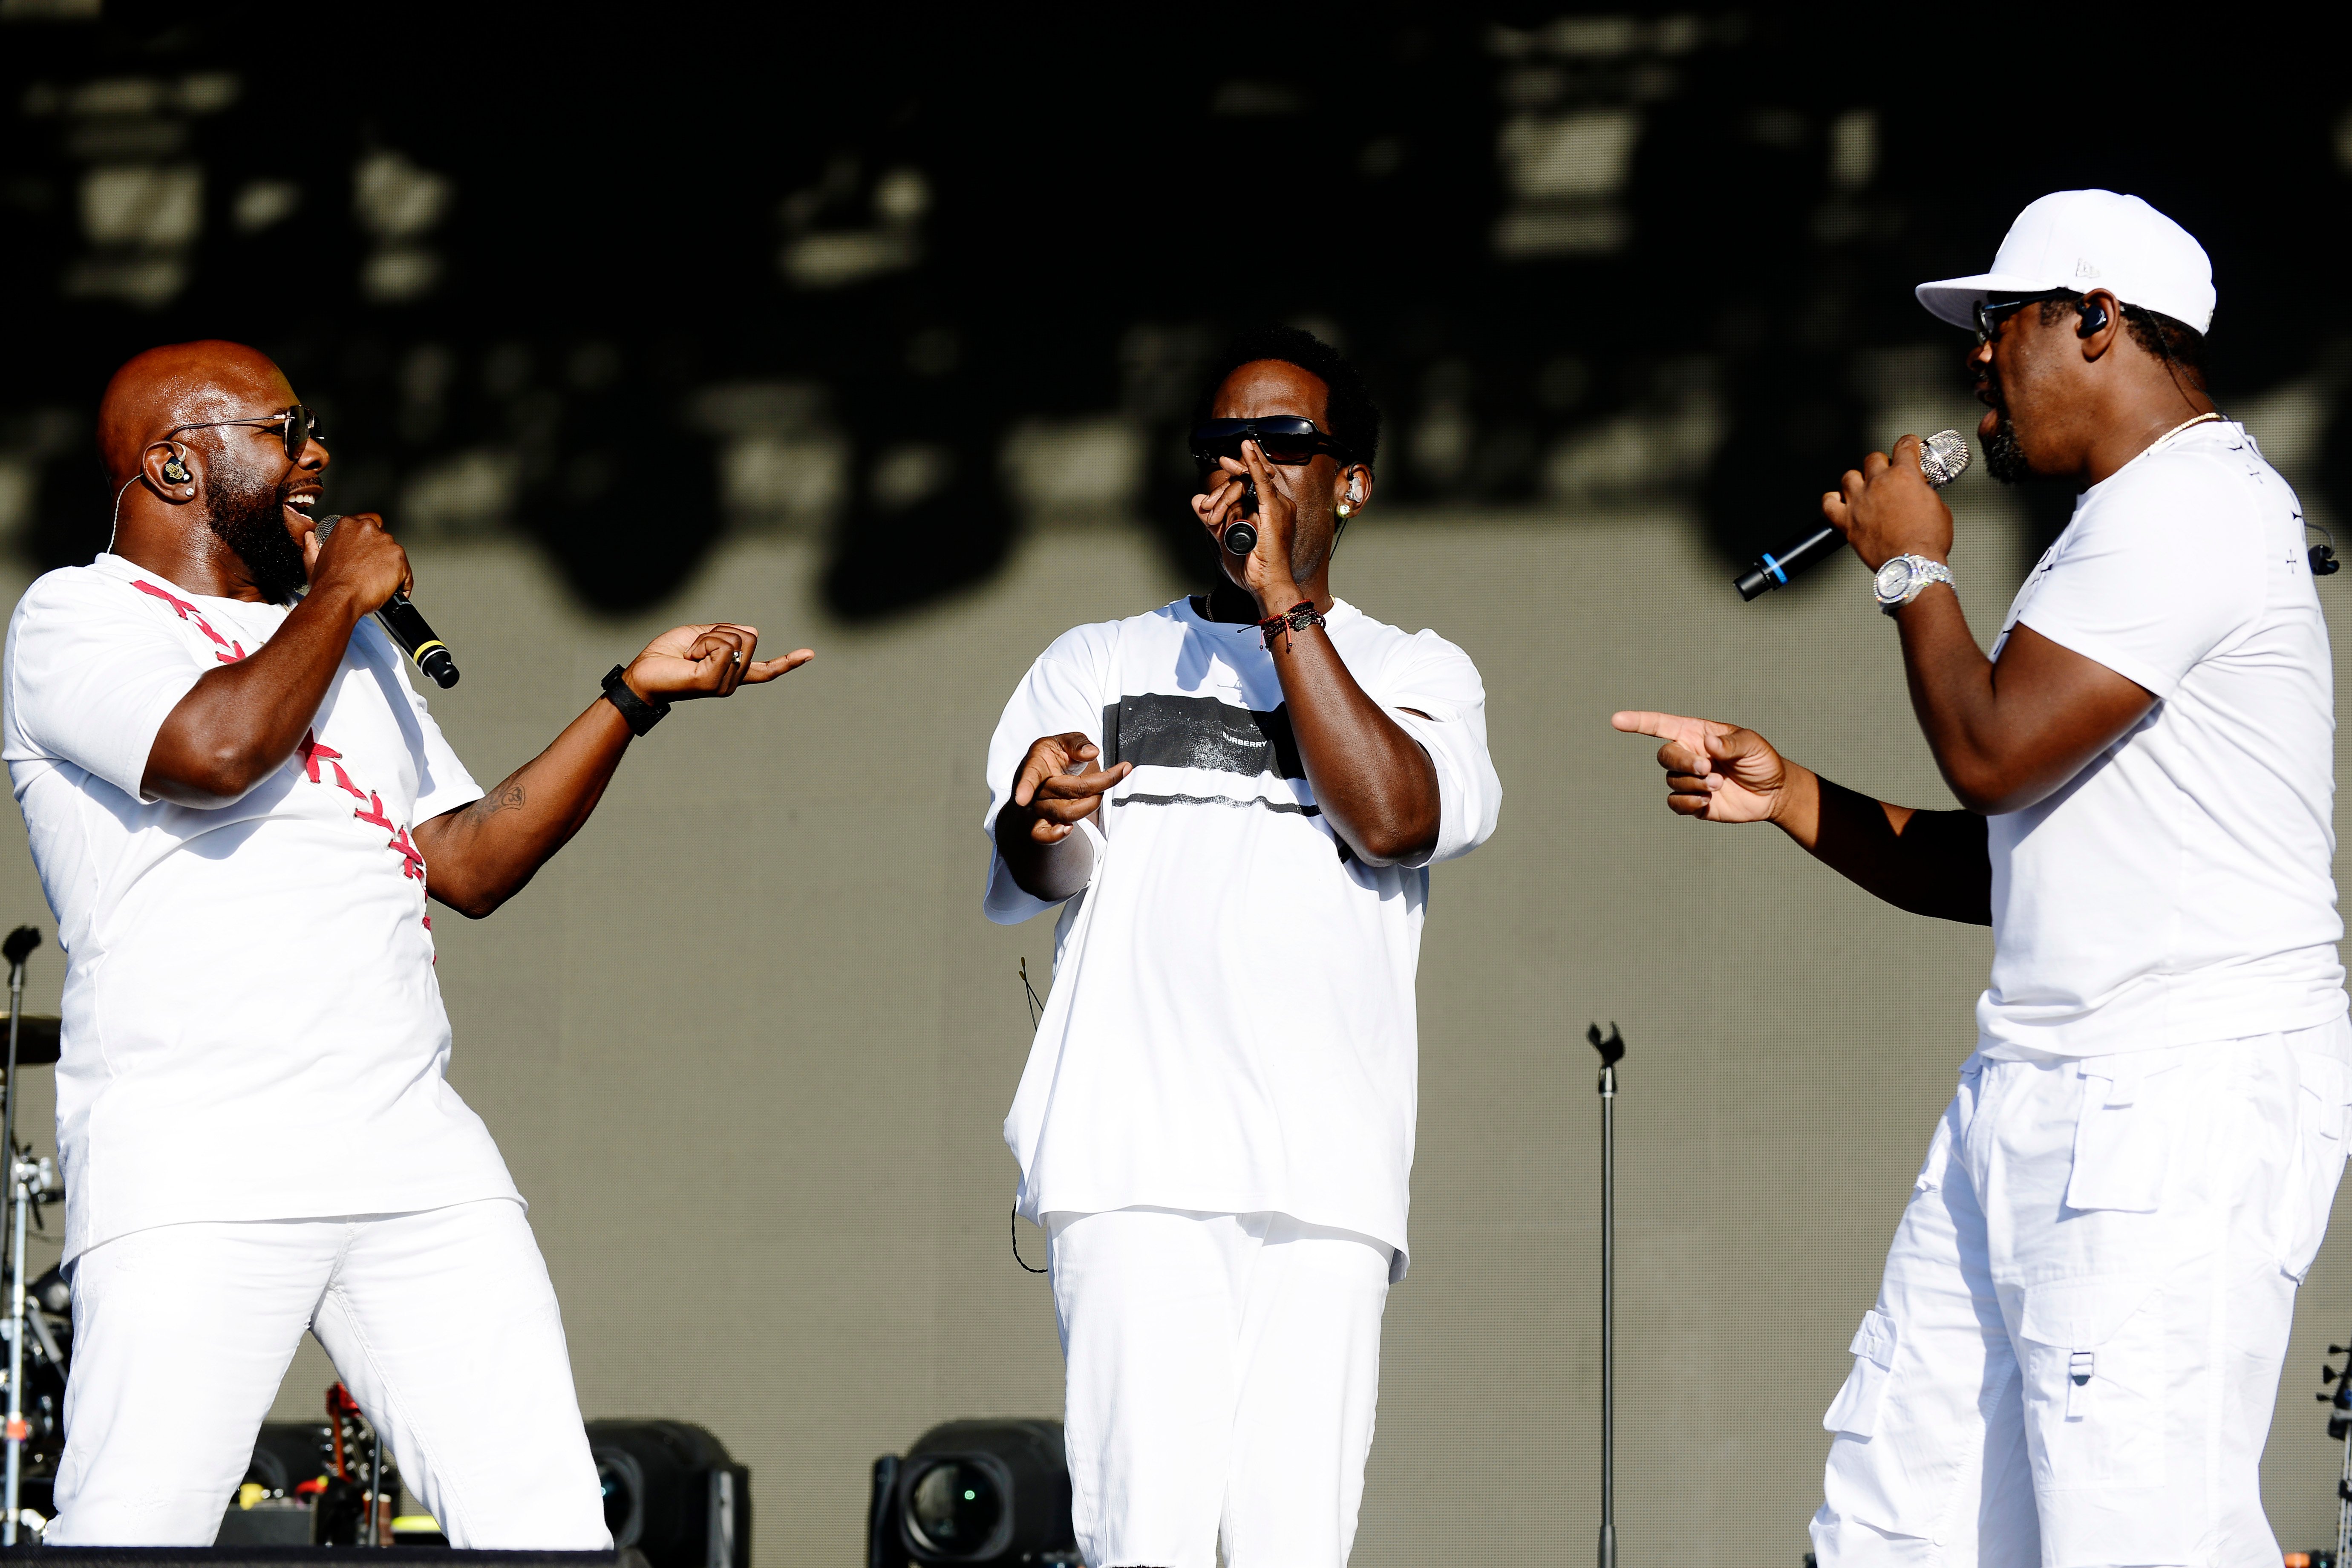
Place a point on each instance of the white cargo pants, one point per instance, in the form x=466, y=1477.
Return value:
x=2076, y=1347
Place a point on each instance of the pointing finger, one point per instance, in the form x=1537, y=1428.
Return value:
x=1665, y=726
x=769, y=668
x=1637, y=722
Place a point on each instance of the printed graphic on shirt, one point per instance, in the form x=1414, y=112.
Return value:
x=313, y=751
x=347, y=1053
x=1154, y=730
x=1157, y=730
x=188, y=612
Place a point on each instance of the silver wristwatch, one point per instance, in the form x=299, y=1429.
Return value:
x=1905, y=578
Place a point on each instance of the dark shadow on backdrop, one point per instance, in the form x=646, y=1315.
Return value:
x=618, y=218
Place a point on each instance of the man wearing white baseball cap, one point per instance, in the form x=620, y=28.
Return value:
x=2075, y=1350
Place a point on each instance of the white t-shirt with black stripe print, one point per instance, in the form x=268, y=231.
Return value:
x=1232, y=1025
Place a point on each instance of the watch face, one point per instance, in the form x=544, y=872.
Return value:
x=1894, y=579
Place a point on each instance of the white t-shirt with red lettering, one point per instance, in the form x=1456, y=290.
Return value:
x=252, y=1027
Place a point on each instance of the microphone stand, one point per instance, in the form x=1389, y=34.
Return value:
x=2339, y=1429
x=1612, y=1051
x=15, y=949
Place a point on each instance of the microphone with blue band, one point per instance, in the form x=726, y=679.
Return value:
x=1942, y=458
x=406, y=628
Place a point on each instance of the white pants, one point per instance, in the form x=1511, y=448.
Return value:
x=2076, y=1348
x=442, y=1323
x=1222, y=1371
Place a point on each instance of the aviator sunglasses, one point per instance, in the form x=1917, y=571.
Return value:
x=300, y=428
x=1287, y=439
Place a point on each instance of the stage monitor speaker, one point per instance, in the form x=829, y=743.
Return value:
x=973, y=1494
x=276, y=1512
x=672, y=1493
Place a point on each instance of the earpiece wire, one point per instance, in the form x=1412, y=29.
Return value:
x=116, y=523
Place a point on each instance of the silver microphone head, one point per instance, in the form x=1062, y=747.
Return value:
x=326, y=525
x=1943, y=458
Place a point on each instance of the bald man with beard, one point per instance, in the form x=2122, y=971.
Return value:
x=239, y=807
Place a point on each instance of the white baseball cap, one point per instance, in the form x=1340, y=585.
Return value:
x=2084, y=240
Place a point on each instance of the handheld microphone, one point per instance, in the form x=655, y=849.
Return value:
x=1943, y=456
x=1241, y=538
x=406, y=627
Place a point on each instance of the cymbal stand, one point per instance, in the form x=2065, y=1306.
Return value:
x=1612, y=1051
x=18, y=947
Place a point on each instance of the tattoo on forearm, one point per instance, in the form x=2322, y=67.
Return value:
x=507, y=797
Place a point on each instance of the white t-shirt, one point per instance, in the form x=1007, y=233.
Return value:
x=1232, y=1025
x=252, y=1026
x=2180, y=889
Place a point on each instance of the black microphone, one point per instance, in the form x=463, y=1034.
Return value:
x=1241, y=538
x=1942, y=458
x=406, y=627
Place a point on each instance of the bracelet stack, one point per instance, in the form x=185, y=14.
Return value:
x=1297, y=618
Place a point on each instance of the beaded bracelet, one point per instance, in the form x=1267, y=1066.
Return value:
x=1297, y=618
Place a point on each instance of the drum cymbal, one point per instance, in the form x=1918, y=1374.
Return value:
x=37, y=1040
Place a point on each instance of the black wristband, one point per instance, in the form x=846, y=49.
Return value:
x=639, y=714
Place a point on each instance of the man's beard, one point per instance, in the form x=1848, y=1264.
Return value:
x=2004, y=458
x=251, y=520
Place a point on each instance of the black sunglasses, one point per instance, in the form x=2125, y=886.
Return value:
x=1992, y=313
x=300, y=428
x=1287, y=439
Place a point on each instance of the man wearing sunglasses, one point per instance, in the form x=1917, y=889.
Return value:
x=2075, y=1350
x=1236, y=798
x=239, y=804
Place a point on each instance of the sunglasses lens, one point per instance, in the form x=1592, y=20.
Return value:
x=1286, y=440
x=1217, y=439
